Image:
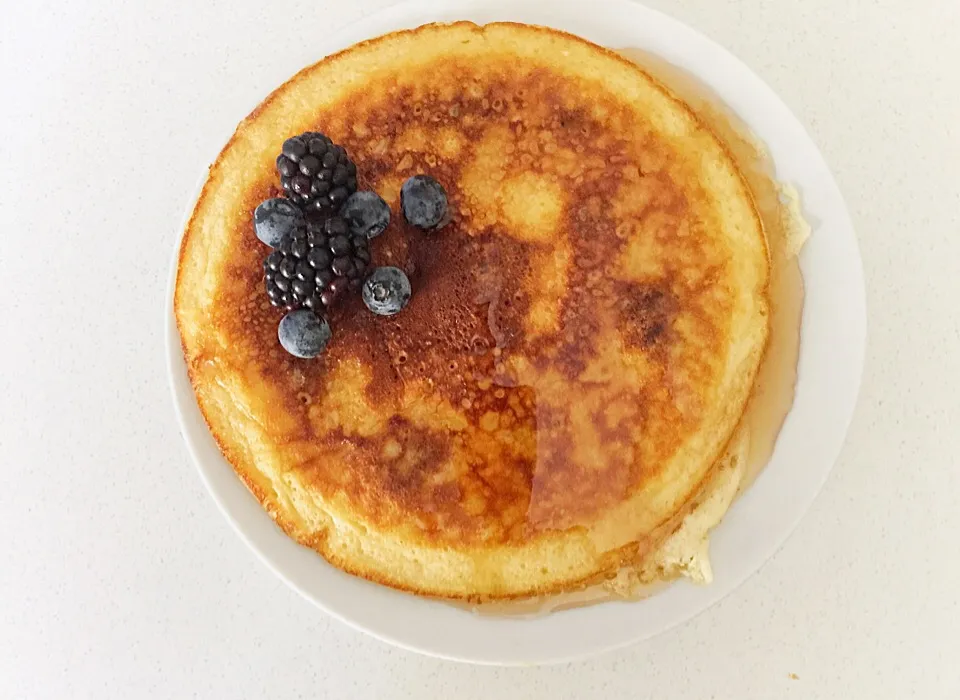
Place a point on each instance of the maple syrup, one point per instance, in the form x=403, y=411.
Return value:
x=778, y=207
x=785, y=230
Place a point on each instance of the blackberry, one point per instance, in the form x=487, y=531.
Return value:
x=316, y=173
x=315, y=265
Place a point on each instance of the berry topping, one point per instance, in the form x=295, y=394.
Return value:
x=276, y=219
x=315, y=265
x=386, y=291
x=304, y=334
x=367, y=214
x=424, y=202
x=316, y=173
x=340, y=245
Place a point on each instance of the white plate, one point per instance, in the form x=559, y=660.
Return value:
x=830, y=366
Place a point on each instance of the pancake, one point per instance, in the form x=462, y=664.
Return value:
x=581, y=342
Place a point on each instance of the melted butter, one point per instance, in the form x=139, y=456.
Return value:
x=684, y=552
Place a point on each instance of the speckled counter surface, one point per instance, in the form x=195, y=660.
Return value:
x=120, y=579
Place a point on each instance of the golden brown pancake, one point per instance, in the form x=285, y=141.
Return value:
x=581, y=341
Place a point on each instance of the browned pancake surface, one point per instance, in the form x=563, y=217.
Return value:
x=550, y=393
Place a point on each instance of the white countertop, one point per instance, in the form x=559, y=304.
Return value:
x=120, y=579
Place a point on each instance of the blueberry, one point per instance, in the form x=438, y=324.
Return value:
x=386, y=291
x=304, y=334
x=423, y=201
x=277, y=219
x=367, y=214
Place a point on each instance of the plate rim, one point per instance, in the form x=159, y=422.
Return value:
x=540, y=640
